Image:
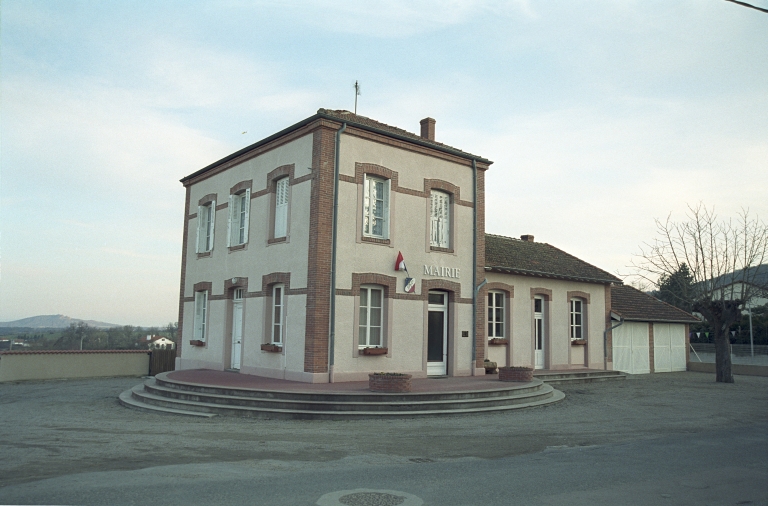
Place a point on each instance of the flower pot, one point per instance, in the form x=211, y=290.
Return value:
x=272, y=348
x=524, y=374
x=197, y=342
x=578, y=342
x=389, y=382
x=497, y=341
x=374, y=351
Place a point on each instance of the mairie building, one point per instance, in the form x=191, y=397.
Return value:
x=342, y=246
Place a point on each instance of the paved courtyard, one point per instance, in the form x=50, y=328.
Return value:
x=679, y=438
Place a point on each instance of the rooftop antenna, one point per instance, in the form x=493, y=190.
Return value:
x=357, y=93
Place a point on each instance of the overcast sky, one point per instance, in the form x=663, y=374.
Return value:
x=600, y=116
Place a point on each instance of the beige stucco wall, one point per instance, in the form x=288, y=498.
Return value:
x=63, y=365
x=561, y=354
x=257, y=259
x=409, y=229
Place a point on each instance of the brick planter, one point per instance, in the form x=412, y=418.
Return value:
x=524, y=374
x=389, y=382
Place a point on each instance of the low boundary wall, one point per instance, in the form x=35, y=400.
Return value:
x=738, y=369
x=67, y=364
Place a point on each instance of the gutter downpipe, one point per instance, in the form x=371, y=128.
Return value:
x=475, y=288
x=332, y=333
x=605, y=342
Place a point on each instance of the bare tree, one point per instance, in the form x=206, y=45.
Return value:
x=726, y=260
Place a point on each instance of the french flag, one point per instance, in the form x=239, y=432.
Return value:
x=400, y=263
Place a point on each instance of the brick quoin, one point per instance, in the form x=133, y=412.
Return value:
x=480, y=325
x=320, y=245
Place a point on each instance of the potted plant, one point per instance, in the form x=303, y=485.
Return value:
x=372, y=350
x=516, y=374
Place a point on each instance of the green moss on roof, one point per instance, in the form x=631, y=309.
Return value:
x=514, y=256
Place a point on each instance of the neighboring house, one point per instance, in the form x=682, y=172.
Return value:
x=262, y=256
x=553, y=307
x=161, y=343
x=654, y=335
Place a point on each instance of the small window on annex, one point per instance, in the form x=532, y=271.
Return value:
x=206, y=219
x=577, y=319
x=495, y=315
x=371, y=316
x=239, y=209
x=376, y=208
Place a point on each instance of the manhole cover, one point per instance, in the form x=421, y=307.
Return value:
x=371, y=499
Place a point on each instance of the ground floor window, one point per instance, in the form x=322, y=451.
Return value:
x=577, y=319
x=495, y=315
x=201, y=314
x=278, y=313
x=371, y=310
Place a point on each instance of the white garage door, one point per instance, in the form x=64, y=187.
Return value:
x=631, y=349
x=669, y=347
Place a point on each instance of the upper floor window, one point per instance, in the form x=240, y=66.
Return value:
x=201, y=313
x=577, y=319
x=371, y=311
x=376, y=208
x=239, y=209
x=206, y=219
x=440, y=219
x=495, y=315
x=278, y=313
x=281, y=208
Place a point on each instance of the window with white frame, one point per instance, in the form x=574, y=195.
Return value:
x=376, y=208
x=440, y=206
x=495, y=315
x=239, y=209
x=201, y=314
x=278, y=313
x=281, y=208
x=206, y=219
x=577, y=319
x=371, y=316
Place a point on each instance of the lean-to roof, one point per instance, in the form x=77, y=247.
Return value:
x=634, y=305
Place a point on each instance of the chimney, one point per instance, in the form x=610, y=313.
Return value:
x=428, y=128
x=527, y=238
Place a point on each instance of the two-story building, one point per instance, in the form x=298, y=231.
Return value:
x=342, y=246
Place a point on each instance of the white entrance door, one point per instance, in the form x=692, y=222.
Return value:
x=538, y=333
x=237, y=328
x=437, y=334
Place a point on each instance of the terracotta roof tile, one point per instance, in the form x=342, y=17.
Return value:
x=514, y=256
x=632, y=304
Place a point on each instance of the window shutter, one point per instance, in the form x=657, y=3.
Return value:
x=200, y=222
x=232, y=215
x=213, y=223
x=247, y=214
x=281, y=208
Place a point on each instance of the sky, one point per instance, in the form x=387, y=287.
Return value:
x=600, y=116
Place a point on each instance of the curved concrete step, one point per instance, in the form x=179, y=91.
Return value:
x=383, y=403
x=126, y=399
x=144, y=399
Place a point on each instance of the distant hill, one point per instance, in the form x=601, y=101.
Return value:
x=54, y=321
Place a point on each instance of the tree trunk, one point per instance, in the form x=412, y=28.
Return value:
x=723, y=372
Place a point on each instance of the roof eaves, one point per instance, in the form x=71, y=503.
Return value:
x=551, y=275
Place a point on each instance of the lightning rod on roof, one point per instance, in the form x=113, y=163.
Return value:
x=357, y=93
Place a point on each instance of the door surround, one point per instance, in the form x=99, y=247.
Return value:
x=438, y=319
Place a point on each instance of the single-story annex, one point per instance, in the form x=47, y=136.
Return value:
x=342, y=246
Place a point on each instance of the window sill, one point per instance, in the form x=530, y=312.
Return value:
x=440, y=250
x=238, y=247
x=204, y=255
x=277, y=240
x=374, y=351
x=272, y=348
x=375, y=240
x=197, y=342
x=496, y=341
x=578, y=342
